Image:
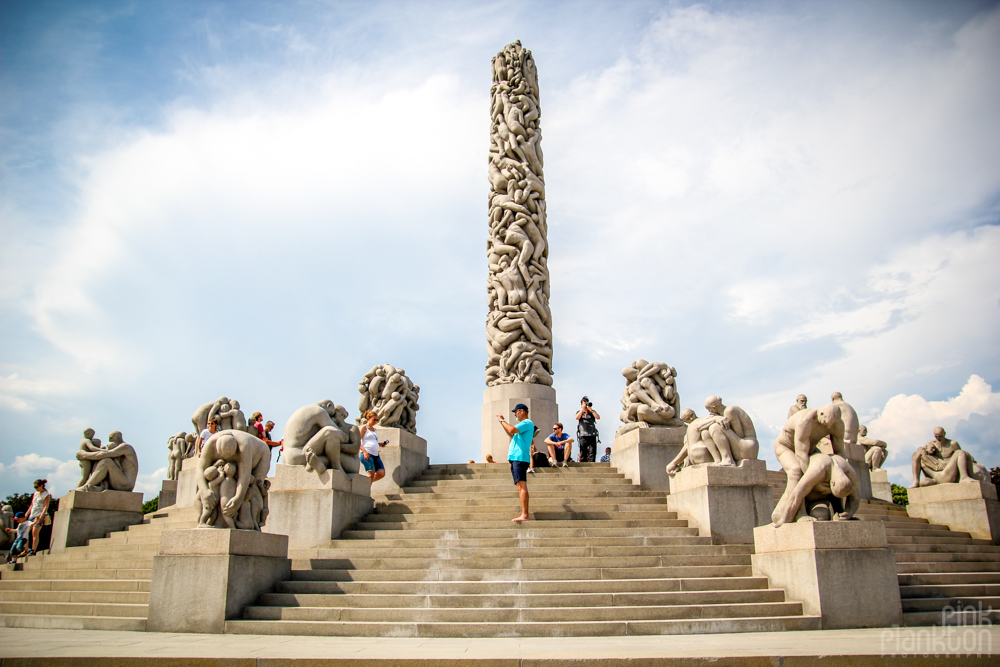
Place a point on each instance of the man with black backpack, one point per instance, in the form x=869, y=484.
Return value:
x=586, y=430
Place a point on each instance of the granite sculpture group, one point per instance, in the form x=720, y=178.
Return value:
x=114, y=467
x=387, y=391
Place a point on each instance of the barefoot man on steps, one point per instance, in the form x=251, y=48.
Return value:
x=518, y=453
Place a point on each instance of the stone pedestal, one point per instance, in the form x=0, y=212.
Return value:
x=404, y=458
x=881, y=488
x=87, y=515
x=204, y=576
x=842, y=571
x=856, y=457
x=501, y=399
x=966, y=506
x=187, y=483
x=643, y=453
x=313, y=509
x=724, y=502
x=168, y=493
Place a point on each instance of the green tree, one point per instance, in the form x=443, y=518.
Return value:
x=899, y=496
x=19, y=502
x=151, y=505
x=995, y=477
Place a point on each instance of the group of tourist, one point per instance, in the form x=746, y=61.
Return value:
x=524, y=456
x=38, y=516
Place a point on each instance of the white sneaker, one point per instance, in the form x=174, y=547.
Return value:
x=565, y=464
x=531, y=470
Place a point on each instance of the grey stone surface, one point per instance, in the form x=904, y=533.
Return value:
x=404, y=457
x=543, y=411
x=875, y=450
x=199, y=590
x=86, y=515
x=650, y=396
x=200, y=542
x=168, y=493
x=840, y=570
x=519, y=324
x=180, y=446
x=313, y=509
x=642, y=454
x=969, y=506
x=881, y=488
x=724, y=502
x=187, y=483
x=388, y=392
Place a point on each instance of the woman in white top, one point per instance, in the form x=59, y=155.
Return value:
x=370, y=459
x=36, y=513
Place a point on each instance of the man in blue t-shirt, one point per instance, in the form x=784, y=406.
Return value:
x=560, y=446
x=519, y=453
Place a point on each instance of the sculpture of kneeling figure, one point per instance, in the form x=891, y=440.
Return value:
x=827, y=491
x=317, y=437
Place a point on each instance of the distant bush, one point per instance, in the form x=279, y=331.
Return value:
x=151, y=505
x=20, y=502
x=899, y=496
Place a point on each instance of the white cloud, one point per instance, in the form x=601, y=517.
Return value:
x=61, y=475
x=150, y=485
x=908, y=421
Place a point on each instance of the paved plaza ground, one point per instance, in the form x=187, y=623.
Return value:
x=968, y=645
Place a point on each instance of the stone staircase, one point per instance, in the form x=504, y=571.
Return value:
x=101, y=586
x=442, y=559
x=946, y=577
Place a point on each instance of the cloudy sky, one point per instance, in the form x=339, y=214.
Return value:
x=264, y=200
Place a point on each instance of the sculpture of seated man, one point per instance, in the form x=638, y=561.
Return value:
x=740, y=440
x=698, y=443
x=827, y=490
x=943, y=461
x=798, y=440
x=116, y=467
x=314, y=438
x=875, y=450
x=801, y=403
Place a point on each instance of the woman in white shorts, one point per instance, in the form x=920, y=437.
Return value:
x=37, y=512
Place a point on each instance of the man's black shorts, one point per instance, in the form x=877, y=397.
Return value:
x=519, y=471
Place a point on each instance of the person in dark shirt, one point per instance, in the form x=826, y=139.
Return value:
x=586, y=430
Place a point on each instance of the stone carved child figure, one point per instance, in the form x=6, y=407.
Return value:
x=214, y=475
x=227, y=489
x=88, y=444
x=232, y=415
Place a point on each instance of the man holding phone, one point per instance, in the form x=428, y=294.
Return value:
x=518, y=454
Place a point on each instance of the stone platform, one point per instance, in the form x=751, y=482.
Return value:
x=967, y=646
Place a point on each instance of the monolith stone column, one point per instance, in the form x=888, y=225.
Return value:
x=519, y=323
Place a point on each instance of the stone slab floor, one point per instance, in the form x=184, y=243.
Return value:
x=963, y=645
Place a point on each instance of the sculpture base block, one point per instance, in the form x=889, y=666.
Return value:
x=856, y=457
x=842, y=571
x=313, y=509
x=965, y=506
x=501, y=399
x=204, y=576
x=404, y=458
x=724, y=502
x=168, y=493
x=881, y=488
x=642, y=454
x=87, y=515
x=187, y=483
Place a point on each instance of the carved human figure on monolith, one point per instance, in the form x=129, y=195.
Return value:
x=115, y=468
x=797, y=441
x=650, y=396
x=316, y=436
x=875, y=450
x=243, y=504
x=518, y=332
x=943, y=461
x=389, y=393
